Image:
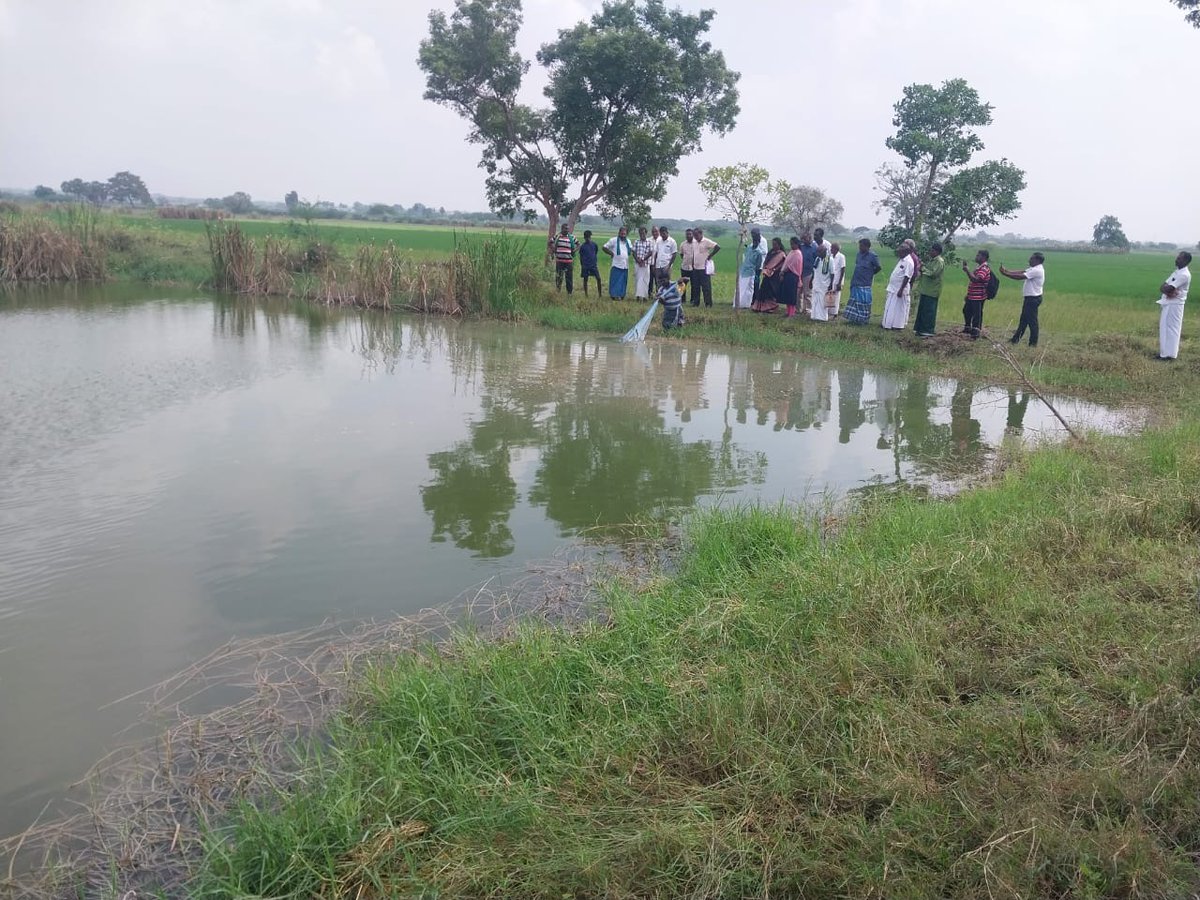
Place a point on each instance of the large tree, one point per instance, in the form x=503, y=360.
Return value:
x=1192, y=7
x=935, y=193
x=804, y=208
x=238, y=203
x=745, y=194
x=125, y=187
x=1109, y=233
x=631, y=91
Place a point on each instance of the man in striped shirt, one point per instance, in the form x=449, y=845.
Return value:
x=643, y=259
x=977, y=292
x=563, y=248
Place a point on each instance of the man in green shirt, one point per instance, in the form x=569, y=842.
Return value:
x=929, y=287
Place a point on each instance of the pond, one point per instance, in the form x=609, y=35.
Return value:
x=177, y=469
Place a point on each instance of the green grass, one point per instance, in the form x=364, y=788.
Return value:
x=995, y=694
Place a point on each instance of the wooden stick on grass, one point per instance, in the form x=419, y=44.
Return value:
x=1025, y=379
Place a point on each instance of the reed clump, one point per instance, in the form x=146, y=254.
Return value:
x=232, y=255
x=491, y=273
x=68, y=247
x=485, y=277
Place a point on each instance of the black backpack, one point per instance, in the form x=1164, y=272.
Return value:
x=993, y=286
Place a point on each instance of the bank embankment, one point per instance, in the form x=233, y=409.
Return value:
x=990, y=695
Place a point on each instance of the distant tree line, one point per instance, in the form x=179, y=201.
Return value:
x=123, y=188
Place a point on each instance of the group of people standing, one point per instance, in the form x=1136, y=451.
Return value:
x=806, y=279
x=925, y=277
x=653, y=257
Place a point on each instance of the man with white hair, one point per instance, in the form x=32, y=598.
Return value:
x=895, y=309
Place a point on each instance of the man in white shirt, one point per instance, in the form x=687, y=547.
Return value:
x=819, y=238
x=1034, y=276
x=664, y=257
x=838, y=260
x=702, y=251
x=1174, y=293
x=899, y=297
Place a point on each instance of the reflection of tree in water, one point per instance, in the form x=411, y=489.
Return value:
x=473, y=492
x=610, y=462
x=606, y=455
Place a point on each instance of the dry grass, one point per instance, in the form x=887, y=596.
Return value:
x=189, y=212
x=487, y=277
x=34, y=248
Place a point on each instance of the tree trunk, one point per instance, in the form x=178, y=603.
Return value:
x=573, y=217
x=552, y=215
x=923, y=206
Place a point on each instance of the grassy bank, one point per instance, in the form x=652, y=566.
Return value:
x=991, y=695
x=1116, y=365
x=1099, y=318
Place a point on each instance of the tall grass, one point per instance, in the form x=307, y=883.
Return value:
x=490, y=273
x=994, y=695
x=482, y=277
x=66, y=248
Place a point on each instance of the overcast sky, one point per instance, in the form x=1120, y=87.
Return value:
x=1095, y=99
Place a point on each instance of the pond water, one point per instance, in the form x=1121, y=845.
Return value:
x=179, y=469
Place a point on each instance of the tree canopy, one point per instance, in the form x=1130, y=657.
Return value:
x=95, y=192
x=1109, y=233
x=934, y=193
x=631, y=91
x=1192, y=8
x=125, y=187
x=805, y=208
x=743, y=193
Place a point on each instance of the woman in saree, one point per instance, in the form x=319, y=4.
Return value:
x=771, y=284
x=793, y=273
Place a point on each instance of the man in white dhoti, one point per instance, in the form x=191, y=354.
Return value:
x=822, y=285
x=837, y=259
x=1174, y=293
x=750, y=269
x=643, y=256
x=895, y=309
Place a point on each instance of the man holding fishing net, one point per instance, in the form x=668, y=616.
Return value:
x=671, y=298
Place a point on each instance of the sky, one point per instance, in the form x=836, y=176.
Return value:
x=1094, y=99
